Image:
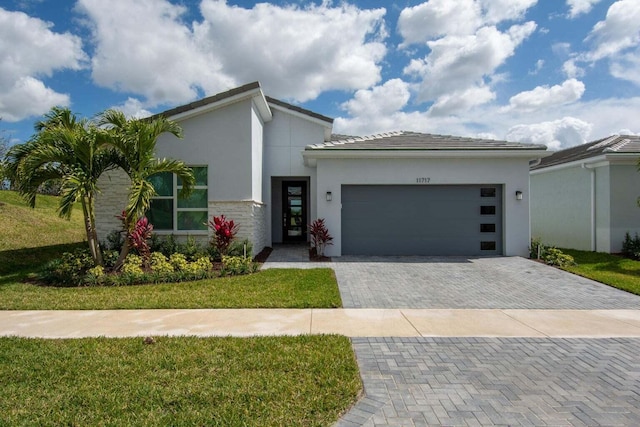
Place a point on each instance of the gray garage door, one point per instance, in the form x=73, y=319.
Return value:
x=422, y=220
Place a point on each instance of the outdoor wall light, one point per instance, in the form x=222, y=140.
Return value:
x=518, y=195
x=329, y=196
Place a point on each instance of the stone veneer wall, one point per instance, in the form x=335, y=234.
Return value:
x=111, y=200
x=251, y=217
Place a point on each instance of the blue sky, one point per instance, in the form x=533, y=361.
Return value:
x=555, y=72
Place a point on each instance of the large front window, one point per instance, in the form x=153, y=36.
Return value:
x=171, y=212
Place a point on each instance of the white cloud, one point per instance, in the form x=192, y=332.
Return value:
x=502, y=10
x=421, y=23
x=538, y=67
x=571, y=69
x=29, y=97
x=435, y=18
x=620, y=30
x=578, y=7
x=133, y=108
x=556, y=134
x=544, y=96
x=460, y=101
x=461, y=62
x=295, y=52
x=626, y=67
x=380, y=100
x=30, y=51
x=158, y=59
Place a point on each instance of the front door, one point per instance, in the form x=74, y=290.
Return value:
x=294, y=211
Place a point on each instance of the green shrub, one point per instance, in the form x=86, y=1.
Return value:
x=69, y=269
x=114, y=241
x=191, y=249
x=160, y=265
x=167, y=245
x=178, y=261
x=234, y=265
x=132, y=265
x=631, y=246
x=549, y=254
x=198, y=267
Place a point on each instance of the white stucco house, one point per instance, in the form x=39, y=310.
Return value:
x=274, y=167
x=585, y=197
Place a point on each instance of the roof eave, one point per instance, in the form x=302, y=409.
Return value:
x=256, y=95
x=311, y=155
x=603, y=159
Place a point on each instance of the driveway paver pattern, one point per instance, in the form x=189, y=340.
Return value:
x=497, y=381
x=450, y=282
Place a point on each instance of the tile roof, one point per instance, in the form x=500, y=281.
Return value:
x=621, y=144
x=405, y=140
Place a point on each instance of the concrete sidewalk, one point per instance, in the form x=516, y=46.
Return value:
x=349, y=322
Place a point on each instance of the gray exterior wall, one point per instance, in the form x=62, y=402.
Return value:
x=625, y=213
x=561, y=208
x=561, y=212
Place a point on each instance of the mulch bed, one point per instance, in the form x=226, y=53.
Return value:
x=263, y=255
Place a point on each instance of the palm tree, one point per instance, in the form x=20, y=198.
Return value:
x=134, y=141
x=66, y=149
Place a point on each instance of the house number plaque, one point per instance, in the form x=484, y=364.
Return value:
x=423, y=180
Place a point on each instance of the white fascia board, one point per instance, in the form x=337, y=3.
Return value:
x=255, y=94
x=311, y=156
x=592, y=162
x=301, y=115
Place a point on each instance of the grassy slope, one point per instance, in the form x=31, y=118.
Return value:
x=613, y=270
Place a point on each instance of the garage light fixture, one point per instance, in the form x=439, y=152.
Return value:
x=329, y=196
x=518, y=195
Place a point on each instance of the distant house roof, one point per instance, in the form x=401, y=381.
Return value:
x=249, y=88
x=405, y=140
x=616, y=144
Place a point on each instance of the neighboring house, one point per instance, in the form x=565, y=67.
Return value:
x=585, y=197
x=274, y=167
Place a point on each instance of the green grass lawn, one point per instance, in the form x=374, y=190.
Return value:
x=278, y=288
x=37, y=236
x=275, y=381
x=263, y=381
x=612, y=270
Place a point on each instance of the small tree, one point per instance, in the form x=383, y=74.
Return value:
x=320, y=237
x=224, y=231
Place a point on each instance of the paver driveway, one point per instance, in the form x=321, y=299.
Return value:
x=502, y=282
x=487, y=381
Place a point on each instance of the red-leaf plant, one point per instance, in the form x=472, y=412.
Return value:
x=320, y=237
x=138, y=238
x=224, y=231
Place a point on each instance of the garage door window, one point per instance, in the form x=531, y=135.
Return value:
x=487, y=210
x=487, y=228
x=487, y=192
x=487, y=246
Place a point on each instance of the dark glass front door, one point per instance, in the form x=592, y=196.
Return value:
x=294, y=211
